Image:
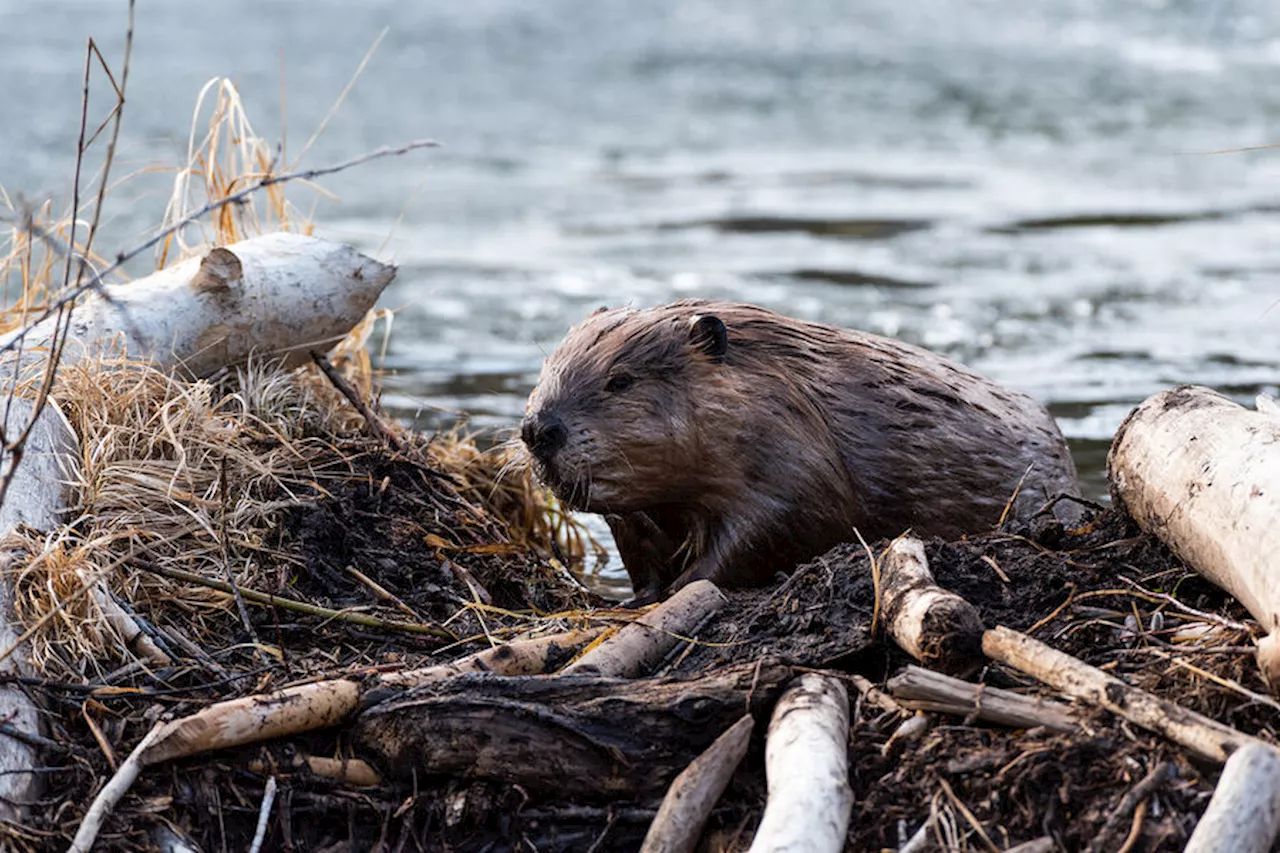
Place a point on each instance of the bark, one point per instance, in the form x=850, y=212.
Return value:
x=601, y=738
x=1203, y=474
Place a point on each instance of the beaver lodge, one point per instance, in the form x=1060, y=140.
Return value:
x=245, y=611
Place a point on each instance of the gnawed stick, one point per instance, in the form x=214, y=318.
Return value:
x=519, y=657
x=348, y=771
x=641, y=645
x=1244, y=814
x=807, y=766
x=117, y=786
x=677, y=827
x=924, y=690
x=934, y=626
x=135, y=640
x=255, y=718
x=1205, y=737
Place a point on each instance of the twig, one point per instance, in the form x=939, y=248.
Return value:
x=111, y=793
x=268, y=600
x=376, y=426
x=264, y=815
x=1128, y=803
x=1190, y=611
x=968, y=816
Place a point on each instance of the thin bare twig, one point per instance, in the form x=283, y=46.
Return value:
x=268, y=600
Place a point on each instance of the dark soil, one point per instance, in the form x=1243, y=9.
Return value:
x=407, y=529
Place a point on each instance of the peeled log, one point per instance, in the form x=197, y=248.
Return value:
x=519, y=657
x=1203, y=474
x=807, y=764
x=277, y=295
x=601, y=738
x=1244, y=814
x=641, y=645
x=933, y=625
x=254, y=718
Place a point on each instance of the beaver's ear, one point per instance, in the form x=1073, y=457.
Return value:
x=600, y=310
x=709, y=335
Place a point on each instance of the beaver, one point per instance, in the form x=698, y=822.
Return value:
x=726, y=441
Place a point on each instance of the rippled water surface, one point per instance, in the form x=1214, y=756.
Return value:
x=1026, y=186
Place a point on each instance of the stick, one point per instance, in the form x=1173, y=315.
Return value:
x=875, y=696
x=934, y=626
x=267, y=600
x=677, y=827
x=348, y=771
x=641, y=645
x=519, y=657
x=376, y=425
x=250, y=719
x=807, y=766
x=1128, y=806
x=1038, y=845
x=264, y=815
x=116, y=787
x=1244, y=814
x=1205, y=737
x=924, y=690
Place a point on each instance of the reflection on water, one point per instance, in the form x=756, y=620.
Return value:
x=1019, y=185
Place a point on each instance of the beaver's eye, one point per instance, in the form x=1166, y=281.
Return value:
x=618, y=383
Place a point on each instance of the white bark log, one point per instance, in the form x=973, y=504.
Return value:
x=1244, y=814
x=641, y=645
x=277, y=295
x=519, y=657
x=1203, y=473
x=807, y=767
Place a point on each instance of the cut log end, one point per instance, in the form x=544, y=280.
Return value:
x=933, y=625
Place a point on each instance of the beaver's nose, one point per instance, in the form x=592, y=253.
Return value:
x=543, y=435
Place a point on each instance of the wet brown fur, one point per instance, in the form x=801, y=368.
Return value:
x=732, y=465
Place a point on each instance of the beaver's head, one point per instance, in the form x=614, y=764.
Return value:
x=614, y=422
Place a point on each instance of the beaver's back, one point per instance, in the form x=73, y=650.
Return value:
x=926, y=442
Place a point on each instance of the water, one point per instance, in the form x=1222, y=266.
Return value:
x=1024, y=186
